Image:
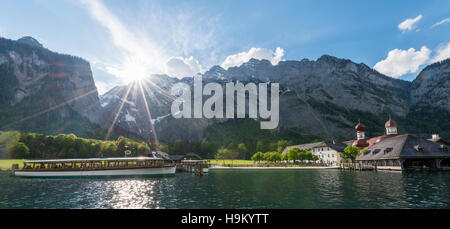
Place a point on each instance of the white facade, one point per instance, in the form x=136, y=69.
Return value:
x=360, y=135
x=391, y=130
x=327, y=155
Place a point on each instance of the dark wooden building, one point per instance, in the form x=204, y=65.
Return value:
x=405, y=151
x=189, y=156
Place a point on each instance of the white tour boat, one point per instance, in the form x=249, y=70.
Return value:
x=96, y=167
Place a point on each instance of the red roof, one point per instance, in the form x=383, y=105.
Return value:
x=360, y=127
x=390, y=123
x=368, y=142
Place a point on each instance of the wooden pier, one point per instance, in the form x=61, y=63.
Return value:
x=197, y=167
x=361, y=167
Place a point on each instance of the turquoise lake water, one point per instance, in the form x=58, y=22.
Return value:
x=235, y=189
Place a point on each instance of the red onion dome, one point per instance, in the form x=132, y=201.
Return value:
x=360, y=127
x=390, y=123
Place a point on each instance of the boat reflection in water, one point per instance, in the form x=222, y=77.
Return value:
x=96, y=167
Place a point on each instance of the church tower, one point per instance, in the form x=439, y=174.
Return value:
x=360, y=131
x=391, y=127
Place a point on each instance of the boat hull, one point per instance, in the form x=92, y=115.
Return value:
x=99, y=173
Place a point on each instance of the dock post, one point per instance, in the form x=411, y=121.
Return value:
x=14, y=167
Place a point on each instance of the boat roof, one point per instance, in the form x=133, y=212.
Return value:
x=193, y=160
x=95, y=159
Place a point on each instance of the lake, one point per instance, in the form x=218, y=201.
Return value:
x=235, y=189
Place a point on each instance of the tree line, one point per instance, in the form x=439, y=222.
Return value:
x=294, y=154
x=14, y=144
x=243, y=151
x=33, y=145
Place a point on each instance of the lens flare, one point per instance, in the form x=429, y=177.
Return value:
x=50, y=109
x=124, y=99
x=149, y=115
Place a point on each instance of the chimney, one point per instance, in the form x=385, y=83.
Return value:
x=435, y=137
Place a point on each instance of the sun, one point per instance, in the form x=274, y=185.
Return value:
x=132, y=69
x=134, y=72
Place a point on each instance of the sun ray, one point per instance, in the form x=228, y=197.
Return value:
x=124, y=99
x=162, y=91
x=149, y=115
x=49, y=109
x=151, y=94
x=134, y=92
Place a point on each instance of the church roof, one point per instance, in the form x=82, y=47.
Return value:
x=404, y=146
x=390, y=123
x=338, y=146
x=360, y=127
x=367, y=142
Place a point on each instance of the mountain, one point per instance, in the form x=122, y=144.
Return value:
x=133, y=117
x=432, y=86
x=47, y=92
x=44, y=91
x=430, y=99
x=30, y=41
x=322, y=99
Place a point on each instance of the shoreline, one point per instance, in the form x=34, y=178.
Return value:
x=270, y=168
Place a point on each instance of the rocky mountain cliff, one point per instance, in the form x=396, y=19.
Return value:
x=322, y=98
x=47, y=92
x=432, y=86
x=44, y=91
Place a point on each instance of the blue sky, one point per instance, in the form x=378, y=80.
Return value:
x=126, y=40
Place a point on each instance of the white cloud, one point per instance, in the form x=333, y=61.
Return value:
x=183, y=67
x=441, y=22
x=409, y=24
x=256, y=53
x=400, y=62
x=443, y=53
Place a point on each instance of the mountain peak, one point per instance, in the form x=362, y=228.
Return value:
x=30, y=41
x=253, y=61
x=328, y=58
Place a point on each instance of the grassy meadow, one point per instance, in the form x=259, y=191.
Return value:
x=5, y=164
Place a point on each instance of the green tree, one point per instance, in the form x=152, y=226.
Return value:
x=272, y=156
x=282, y=144
x=19, y=150
x=302, y=156
x=351, y=152
x=293, y=154
x=242, y=150
x=142, y=148
x=224, y=153
x=262, y=146
x=7, y=141
x=179, y=147
x=207, y=149
x=258, y=156
x=285, y=156
x=111, y=150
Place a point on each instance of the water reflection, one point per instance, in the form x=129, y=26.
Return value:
x=235, y=189
x=132, y=194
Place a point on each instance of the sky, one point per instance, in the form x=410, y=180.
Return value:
x=128, y=40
